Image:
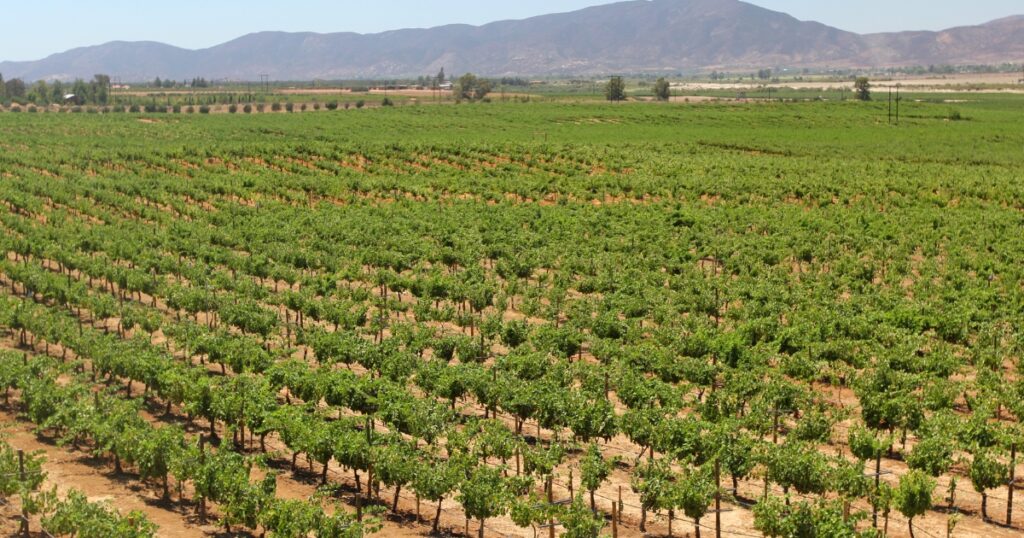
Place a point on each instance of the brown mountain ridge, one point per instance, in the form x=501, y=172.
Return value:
x=638, y=36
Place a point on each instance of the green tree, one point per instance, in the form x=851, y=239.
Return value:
x=662, y=89
x=81, y=91
x=615, y=90
x=863, y=88
x=57, y=92
x=15, y=88
x=472, y=88
x=100, y=89
x=913, y=496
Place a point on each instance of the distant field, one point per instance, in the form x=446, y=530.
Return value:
x=1008, y=82
x=651, y=306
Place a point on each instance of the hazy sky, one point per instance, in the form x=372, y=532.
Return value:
x=31, y=30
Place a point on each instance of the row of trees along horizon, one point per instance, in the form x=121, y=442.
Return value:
x=99, y=91
x=469, y=87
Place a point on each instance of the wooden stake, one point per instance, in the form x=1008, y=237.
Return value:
x=1012, y=486
x=24, y=508
x=202, y=459
x=718, y=498
x=551, y=500
x=621, y=505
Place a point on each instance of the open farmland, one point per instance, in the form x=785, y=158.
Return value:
x=514, y=313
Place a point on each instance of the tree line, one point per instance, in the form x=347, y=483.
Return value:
x=79, y=92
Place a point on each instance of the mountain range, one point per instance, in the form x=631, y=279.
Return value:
x=637, y=36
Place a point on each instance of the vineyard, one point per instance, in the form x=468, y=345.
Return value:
x=516, y=320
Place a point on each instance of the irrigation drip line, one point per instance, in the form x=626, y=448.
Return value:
x=925, y=531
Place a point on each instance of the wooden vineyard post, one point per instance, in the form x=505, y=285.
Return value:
x=615, y=521
x=621, y=506
x=572, y=494
x=24, y=509
x=551, y=501
x=718, y=498
x=878, y=488
x=775, y=426
x=1012, y=485
x=202, y=460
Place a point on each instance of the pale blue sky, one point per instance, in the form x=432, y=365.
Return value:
x=32, y=30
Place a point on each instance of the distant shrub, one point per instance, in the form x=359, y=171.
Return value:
x=954, y=115
x=76, y=110
x=360, y=104
x=347, y=106
x=190, y=110
x=261, y=107
x=333, y=105
x=15, y=108
x=276, y=107
x=92, y=110
x=32, y=109
x=134, y=109
x=233, y=109
x=176, y=109
x=290, y=107
x=316, y=106
x=204, y=109
x=247, y=109
x=303, y=107
x=387, y=102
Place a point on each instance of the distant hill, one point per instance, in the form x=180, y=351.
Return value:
x=639, y=36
